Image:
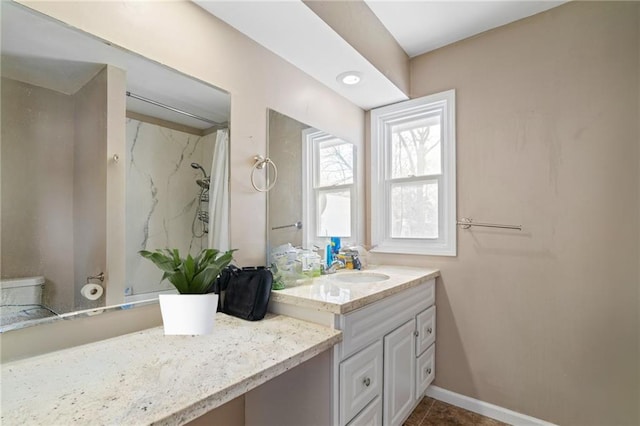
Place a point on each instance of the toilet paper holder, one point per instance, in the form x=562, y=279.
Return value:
x=92, y=291
x=99, y=277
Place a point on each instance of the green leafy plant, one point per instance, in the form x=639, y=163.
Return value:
x=190, y=275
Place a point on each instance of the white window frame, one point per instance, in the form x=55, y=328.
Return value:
x=310, y=142
x=381, y=120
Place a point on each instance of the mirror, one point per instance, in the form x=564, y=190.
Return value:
x=316, y=192
x=103, y=153
x=285, y=198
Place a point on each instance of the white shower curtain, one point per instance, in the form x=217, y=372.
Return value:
x=219, y=193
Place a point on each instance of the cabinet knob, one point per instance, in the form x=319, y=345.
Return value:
x=416, y=333
x=366, y=381
x=429, y=330
x=427, y=371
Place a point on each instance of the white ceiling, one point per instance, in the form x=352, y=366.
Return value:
x=422, y=26
x=295, y=33
x=45, y=53
x=38, y=50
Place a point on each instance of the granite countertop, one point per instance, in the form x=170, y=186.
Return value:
x=146, y=377
x=329, y=294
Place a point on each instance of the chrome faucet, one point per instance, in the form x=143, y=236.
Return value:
x=335, y=265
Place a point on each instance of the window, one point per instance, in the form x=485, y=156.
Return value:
x=413, y=176
x=329, y=188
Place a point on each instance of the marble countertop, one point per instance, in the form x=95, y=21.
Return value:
x=146, y=377
x=328, y=293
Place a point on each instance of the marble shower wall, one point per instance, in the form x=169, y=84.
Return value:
x=162, y=197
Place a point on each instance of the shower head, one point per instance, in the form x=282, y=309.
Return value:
x=198, y=166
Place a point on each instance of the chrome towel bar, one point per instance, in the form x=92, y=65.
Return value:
x=467, y=223
x=297, y=225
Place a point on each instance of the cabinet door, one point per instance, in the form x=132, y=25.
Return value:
x=426, y=329
x=360, y=381
x=399, y=374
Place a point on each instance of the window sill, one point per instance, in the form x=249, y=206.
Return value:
x=430, y=250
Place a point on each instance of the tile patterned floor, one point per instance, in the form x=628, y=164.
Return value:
x=431, y=412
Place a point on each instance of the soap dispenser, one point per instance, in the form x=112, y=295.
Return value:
x=329, y=256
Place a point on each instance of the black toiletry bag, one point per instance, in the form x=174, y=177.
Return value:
x=246, y=291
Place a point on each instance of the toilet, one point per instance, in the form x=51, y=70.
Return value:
x=21, y=291
x=21, y=302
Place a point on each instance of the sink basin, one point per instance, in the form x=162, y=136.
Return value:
x=360, y=277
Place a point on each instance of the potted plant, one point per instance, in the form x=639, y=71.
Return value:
x=193, y=310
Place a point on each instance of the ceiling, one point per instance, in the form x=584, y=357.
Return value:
x=294, y=32
x=38, y=50
x=45, y=53
x=423, y=26
x=291, y=30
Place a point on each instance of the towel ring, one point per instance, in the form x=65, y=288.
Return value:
x=261, y=163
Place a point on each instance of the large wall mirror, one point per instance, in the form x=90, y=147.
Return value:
x=318, y=193
x=103, y=153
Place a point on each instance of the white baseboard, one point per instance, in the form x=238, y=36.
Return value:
x=484, y=408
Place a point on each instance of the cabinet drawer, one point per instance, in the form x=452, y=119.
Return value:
x=360, y=381
x=426, y=370
x=370, y=416
x=426, y=329
x=361, y=327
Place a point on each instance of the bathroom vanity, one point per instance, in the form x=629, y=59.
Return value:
x=149, y=378
x=386, y=359
x=352, y=348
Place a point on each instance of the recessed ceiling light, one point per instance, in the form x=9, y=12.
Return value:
x=349, y=78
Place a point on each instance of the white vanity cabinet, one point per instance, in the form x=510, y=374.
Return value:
x=385, y=362
x=386, y=358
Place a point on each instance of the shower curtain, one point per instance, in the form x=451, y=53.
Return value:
x=219, y=193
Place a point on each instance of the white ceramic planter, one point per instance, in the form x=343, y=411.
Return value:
x=188, y=314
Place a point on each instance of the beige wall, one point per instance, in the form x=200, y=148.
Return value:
x=544, y=321
x=58, y=335
x=54, y=213
x=182, y=36
x=89, y=185
x=229, y=414
x=116, y=185
x=37, y=189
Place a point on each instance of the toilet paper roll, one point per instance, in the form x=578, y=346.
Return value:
x=92, y=291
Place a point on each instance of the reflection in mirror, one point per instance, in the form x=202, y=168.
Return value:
x=285, y=198
x=175, y=181
x=73, y=158
x=329, y=188
x=316, y=185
